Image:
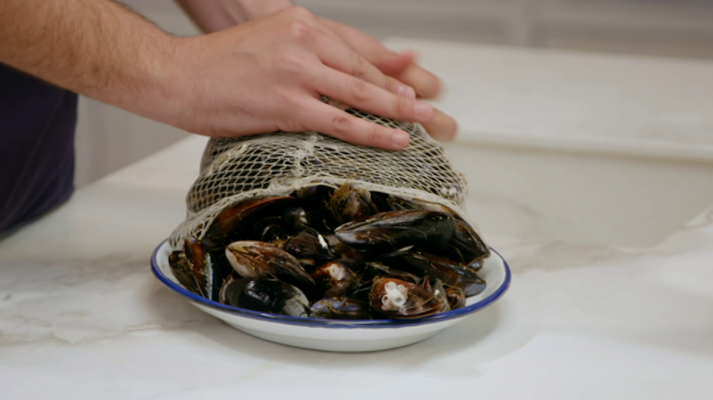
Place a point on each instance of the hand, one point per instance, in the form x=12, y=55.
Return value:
x=216, y=15
x=270, y=73
x=402, y=67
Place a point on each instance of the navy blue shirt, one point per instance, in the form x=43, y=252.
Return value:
x=37, y=122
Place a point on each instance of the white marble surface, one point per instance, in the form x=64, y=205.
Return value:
x=569, y=99
x=81, y=316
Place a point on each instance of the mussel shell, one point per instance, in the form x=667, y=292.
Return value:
x=393, y=230
x=183, y=271
x=274, y=296
x=231, y=289
x=455, y=297
x=402, y=203
x=310, y=244
x=344, y=308
x=209, y=269
x=254, y=259
x=313, y=197
x=374, y=269
x=399, y=299
x=351, y=202
x=468, y=242
x=422, y=264
x=435, y=286
x=476, y=265
x=273, y=229
x=334, y=279
x=361, y=290
x=237, y=221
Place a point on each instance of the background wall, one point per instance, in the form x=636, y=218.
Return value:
x=109, y=138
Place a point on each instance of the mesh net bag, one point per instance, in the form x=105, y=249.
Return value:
x=278, y=163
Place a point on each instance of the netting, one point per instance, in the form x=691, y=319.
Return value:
x=278, y=163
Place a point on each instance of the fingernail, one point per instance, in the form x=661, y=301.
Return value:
x=407, y=91
x=424, y=111
x=400, y=139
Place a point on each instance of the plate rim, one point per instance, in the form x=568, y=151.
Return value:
x=331, y=323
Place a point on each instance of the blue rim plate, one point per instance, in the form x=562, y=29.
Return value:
x=328, y=323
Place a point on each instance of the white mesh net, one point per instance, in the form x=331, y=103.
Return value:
x=278, y=163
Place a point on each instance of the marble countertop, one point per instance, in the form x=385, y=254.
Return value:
x=568, y=99
x=81, y=316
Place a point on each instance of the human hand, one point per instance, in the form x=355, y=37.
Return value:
x=216, y=15
x=269, y=74
x=401, y=66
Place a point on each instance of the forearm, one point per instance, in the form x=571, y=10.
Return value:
x=217, y=15
x=94, y=47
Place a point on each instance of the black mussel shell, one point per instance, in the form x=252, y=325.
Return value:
x=274, y=296
x=237, y=221
x=343, y=308
x=422, y=264
x=183, y=271
x=232, y=287
x=468, y=242
x=209, y=269
x=393, y=230
x=310, y=244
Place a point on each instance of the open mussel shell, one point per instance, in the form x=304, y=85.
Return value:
x=435, y=286
x=334, y=279
x=393, y=230
x=399, y=299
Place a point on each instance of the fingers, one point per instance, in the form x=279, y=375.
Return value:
x=441, y=127
x=365, y=96
x=394, y=63
x=334, y=122
x=426, y=84
x=336, y=54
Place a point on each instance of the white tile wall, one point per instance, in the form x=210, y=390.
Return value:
x=109, y=138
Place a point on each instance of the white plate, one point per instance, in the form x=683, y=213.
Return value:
x=339, y=335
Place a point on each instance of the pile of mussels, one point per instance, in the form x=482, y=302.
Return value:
x=344, y=253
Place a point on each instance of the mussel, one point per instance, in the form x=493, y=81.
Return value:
x=253, y=259
x=310, y=245
x=399, y=299
x=208, y=270
x=393, y=230
x=351, y=202
x=237, y=221
x=340, y=308
x=269, y=295
x=334, y=279
x=422, y=264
